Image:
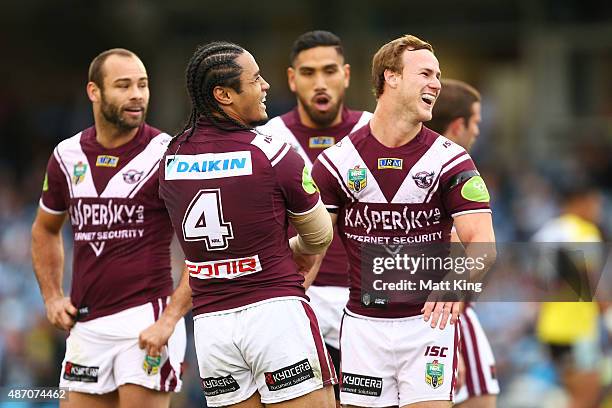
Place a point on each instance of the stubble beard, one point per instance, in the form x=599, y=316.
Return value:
x=112, y=114
x=322, y=119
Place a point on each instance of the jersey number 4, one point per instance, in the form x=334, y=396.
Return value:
x=204, y=221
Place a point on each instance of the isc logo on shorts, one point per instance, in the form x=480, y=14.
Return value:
x=224, y=269
x=208, y=166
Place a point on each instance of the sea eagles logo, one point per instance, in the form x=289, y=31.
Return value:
x=423, y=179
x=132, y=176
x=357, y=179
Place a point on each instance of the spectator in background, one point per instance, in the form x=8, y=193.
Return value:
x=570, y=329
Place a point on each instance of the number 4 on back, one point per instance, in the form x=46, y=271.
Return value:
x=204, y=221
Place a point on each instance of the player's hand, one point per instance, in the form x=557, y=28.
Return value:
x=155, y=337
x=436, y=310
x=61, y=312
x=305, y=263
x=460, y=371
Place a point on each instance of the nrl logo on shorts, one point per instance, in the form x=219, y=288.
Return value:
x=78, y=173
x=357, y=179
x=423, y=179
x=434, y=374
x=132, y=176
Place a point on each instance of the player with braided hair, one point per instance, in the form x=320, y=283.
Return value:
x=231, y=193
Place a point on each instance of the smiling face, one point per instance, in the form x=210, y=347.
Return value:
x=123, y=99
x=419, y=83
x=319, y=78
x=248, y=106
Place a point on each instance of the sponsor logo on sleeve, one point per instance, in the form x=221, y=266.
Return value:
x=76, y=372
x=104, y=160
x=308, y=183
x=390, y=163
x=208, y=166
x=224, y=269
x=357, y=179
x=361, y=384
x=434, y=374
x=321, y=142
x=289, y=376
x=46, y=183
x=219, y=385
x=423, y=179
x=78, y=173
x=475, y=189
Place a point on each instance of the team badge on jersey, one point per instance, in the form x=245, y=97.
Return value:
x=357, y=179
x=104, y=160
x=390, y=163
x=475, y=189
x=78, y=173
x=321, y=142
x=132, y=176
x=434, y=374
x=423, y=179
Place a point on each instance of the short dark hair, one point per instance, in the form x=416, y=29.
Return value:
x=455, y=101
x=312, y=39
x=96, y=73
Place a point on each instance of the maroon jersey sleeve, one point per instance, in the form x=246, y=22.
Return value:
x=463, y=190
x=54, y=193
x=328, y=186
x=300, y=192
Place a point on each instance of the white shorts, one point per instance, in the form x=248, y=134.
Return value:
x=274, y=347
x=103, y=354
x=480, y=377
x=391, y=362
x=328, y=303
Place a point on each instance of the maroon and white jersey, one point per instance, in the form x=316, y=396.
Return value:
x=121, y=228
x=392, y=196
x=228, y=194
x=309, y=143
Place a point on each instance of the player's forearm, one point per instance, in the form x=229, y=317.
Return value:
x=180, y=301
x=315, y=231
x=313, y=272
x=484, y=255
x=48, y=262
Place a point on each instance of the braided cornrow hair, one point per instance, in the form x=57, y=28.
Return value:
x=212, y=65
